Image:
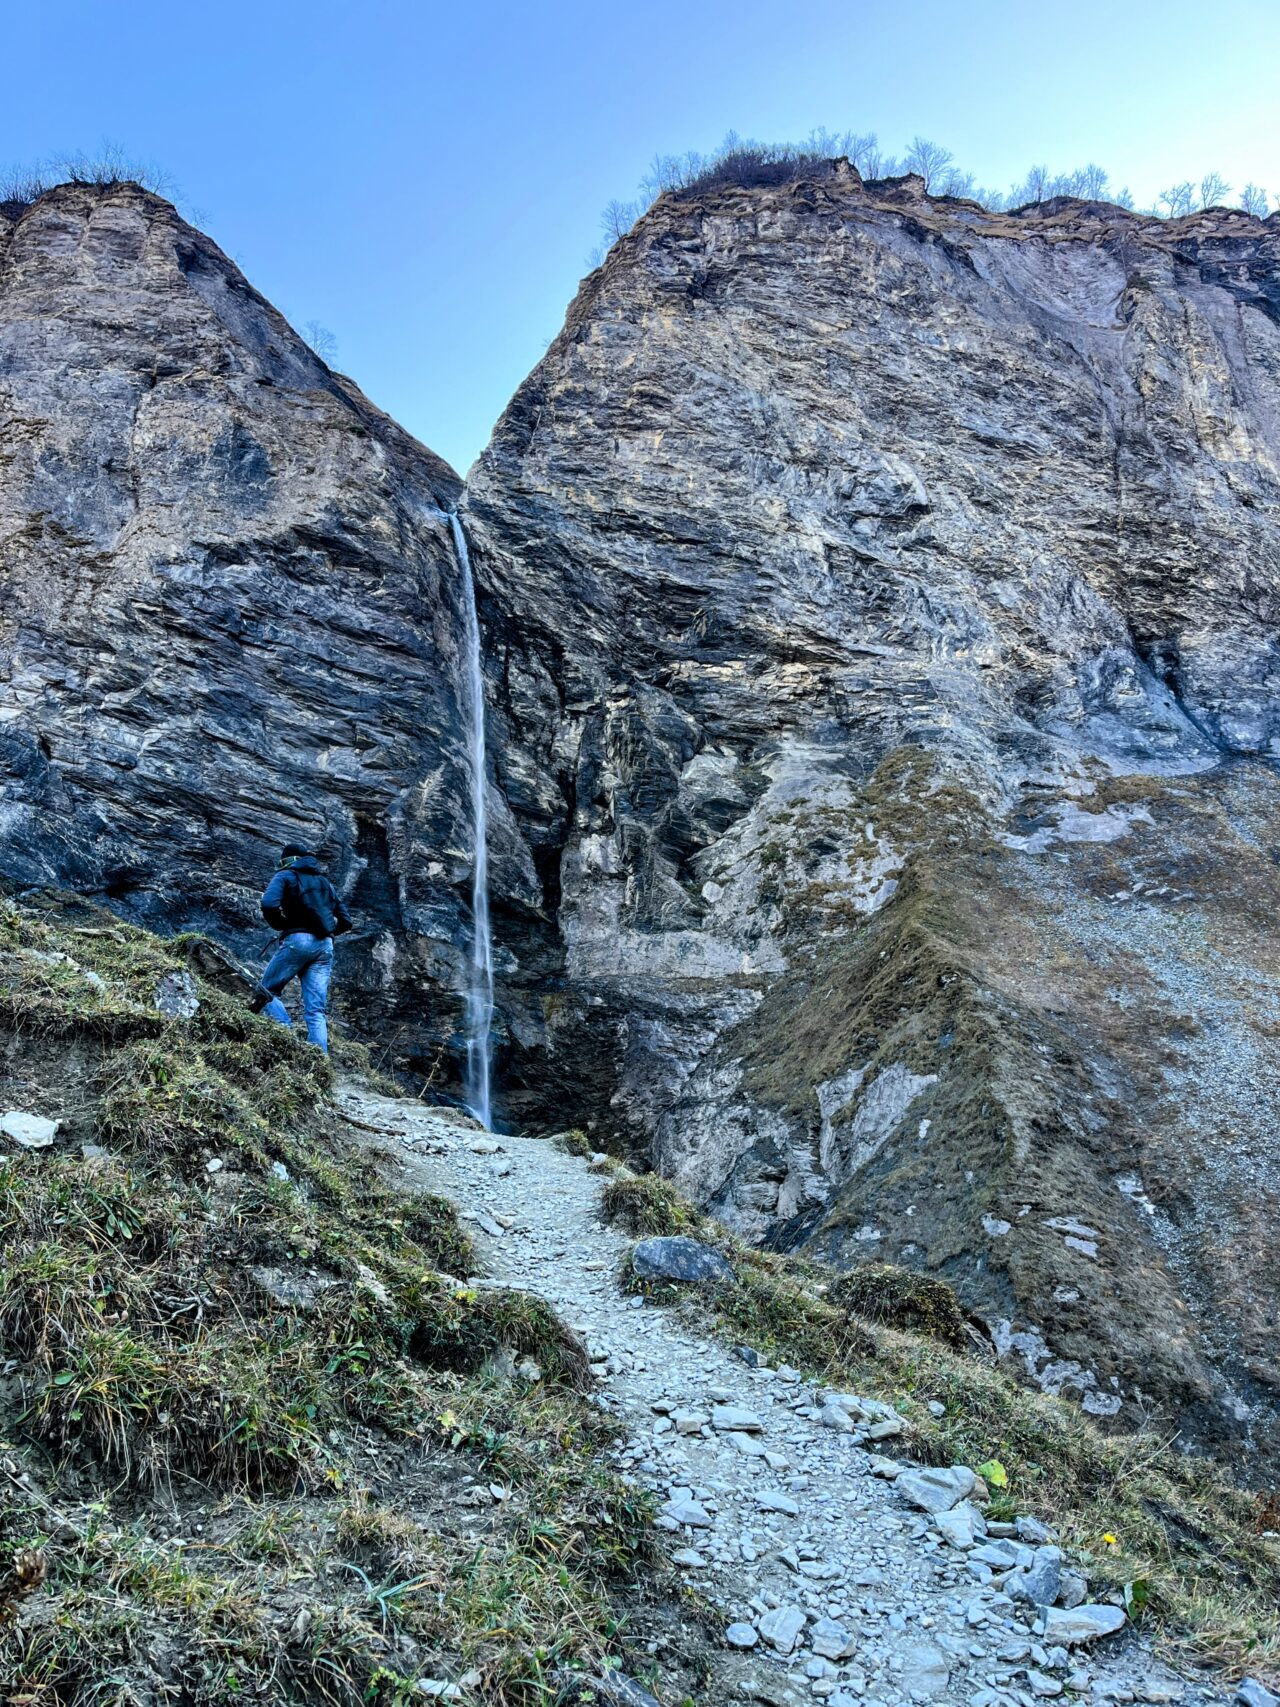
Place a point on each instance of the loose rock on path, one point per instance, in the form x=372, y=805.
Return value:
x=833, y=1584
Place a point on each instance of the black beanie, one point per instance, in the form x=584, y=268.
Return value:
x=294, y=850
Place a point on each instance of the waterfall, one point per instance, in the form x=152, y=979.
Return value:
x=479, y=994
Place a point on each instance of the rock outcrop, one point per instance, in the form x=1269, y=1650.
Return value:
x=883, y=600
x=229, y=610
x=880, y=606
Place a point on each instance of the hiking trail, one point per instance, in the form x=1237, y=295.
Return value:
x=844, y=1591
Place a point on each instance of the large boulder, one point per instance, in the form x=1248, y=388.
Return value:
x=680, y=1259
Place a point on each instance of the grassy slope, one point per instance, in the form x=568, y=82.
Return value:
x=1133, y=1508
x=254, y=1437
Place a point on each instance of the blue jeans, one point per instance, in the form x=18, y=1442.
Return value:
x=309, y=959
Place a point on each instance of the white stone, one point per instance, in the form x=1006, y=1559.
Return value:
x=32, y=1131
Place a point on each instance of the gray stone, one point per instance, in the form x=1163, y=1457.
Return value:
x=689, y=1422
x=729, y=1419
x=936, y=1490
x=835, y=1416
x=1031, y=1529
x=1068, y=1627
x=925, y=1670
x=831, y=1640
x=742, y=1635
x=1251, y=1693
x=680, y=1259
x=1043, y=1686
x=769, y=1500
x=31, y=1131
x=748, y=1445
x=176, y=996
x=1074, y=1590
x=781, y=1628
x=1040, y=1582
x=686, y=1512
x=615, y=1689
x=1000, y=1555
x=886, y=1429
x=962, y=1526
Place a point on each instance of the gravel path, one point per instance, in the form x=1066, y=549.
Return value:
x=838, y=1587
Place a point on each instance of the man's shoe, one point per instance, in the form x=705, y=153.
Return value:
x=259, y=1000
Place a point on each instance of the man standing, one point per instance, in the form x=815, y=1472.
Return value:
x=302, y=904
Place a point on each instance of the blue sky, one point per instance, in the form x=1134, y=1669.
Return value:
x=427, y=181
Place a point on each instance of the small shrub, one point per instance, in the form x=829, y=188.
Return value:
x=21, y=188
x=899, y=1298
x=647, y=1204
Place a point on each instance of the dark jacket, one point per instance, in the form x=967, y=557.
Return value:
x=301, y=898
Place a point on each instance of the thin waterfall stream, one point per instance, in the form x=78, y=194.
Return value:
x=479, y=992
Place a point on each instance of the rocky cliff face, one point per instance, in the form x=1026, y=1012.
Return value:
x=882, y=597
x=229, y=609
x=880, y=606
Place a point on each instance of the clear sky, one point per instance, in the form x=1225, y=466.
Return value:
x=427, y=180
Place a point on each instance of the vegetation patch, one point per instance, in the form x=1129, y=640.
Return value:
x=258, y=1435
x=648, y=1205
x=900, y=1298
x=1131, y=1506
